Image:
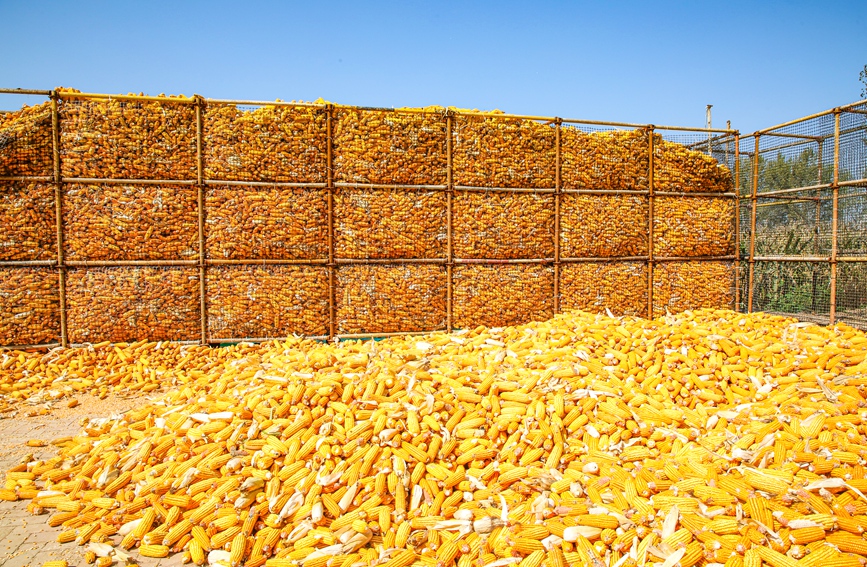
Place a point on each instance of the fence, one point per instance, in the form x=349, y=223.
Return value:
x=803, y=214
x=175, y=218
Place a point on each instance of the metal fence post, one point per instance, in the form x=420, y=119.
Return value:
x=650, y=189
x=58, y=213
x=329, y=178
x=200, y=196
x=557, y=189
x=835, y=192
x=450, y=191
x=754, y=202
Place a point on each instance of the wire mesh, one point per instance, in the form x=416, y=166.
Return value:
x=27, y=219
x=853, y=144
x=746, y=157
x=390, y=147
x=796, y=224
x=500, y=225
x=797, y=289
x=695, y=226
x=264, y=143
x=851, y=301
x=678, y=286
x=390, y=298
x=120, y=304
x=851, y=221
x=502, y=294
x=29, y=306
x=254, y=223
x=25, y=142
x=799, y=155
x=620, y=287
x=603, y=226
x=129, y=222
x=120, y=139
x=389, y=224
x=604, y=158
x=687, y=162
x=266, y=301
x=491, y=151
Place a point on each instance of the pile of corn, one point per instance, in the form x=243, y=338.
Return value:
x=617, y=159
x=389, y=224
x=26, y=147
x=128, y=222
x=29, y=306
x=266, y=301
x=268, y=143
x=132, y=303
x=27, y=217
x=603, y=226
x=390, y=298
x=502, y=294
x=705, y=438
x=676, y=168
x=390, y=147
x=620, y=287
x=246, y=223
x=692, y=285
x=693, y=226
x=119, y=139
x=503, y=225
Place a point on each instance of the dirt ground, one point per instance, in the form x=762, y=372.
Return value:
x=27, y=540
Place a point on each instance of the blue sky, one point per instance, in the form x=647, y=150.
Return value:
x=758, y=63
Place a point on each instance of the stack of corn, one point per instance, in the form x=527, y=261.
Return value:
x=27, y=146
x=603, y=226
x=692, y=285
x=676, y=168
x=503, y=225
x=705, y=438
x=29, y=306
x=693, y=226
x=268, y=143
x=500, y=295
x=617, y=159
x=133, y=303
x=620, y=287
x=27, y=217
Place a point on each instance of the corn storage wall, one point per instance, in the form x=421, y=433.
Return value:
x=177, y=218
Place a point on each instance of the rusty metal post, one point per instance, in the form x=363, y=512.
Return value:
x=754, y=202
x=450, y=191
x=557, y=188
x=835, y=195
x=737, y=174
x=329, y=178
x=200, y=196
x=816, y=232
x=58, y=216
x=650, y=262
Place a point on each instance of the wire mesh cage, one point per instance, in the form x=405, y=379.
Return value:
x=499, y=151
x=604, y=158
x=27, y=218
x=795, y=224
x=266, y=301
x=694, y=226
x=130, y=222
x=29, y=306
x=603, y=226
x=678, y=286
x=853, y=144
x=798, y=289
x=851, y=291
x=498, y=295
x=273, y=223
x=385, y=223
x=687, y=162
x=390, y=146
x=390, y=298
x=26, y=147
x=851, y=221
x=279, y=142
x=121, y=138
x=620, y=287
x=120, y=304
x=501, y=225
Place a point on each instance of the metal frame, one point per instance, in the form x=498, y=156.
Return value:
x=332, y=263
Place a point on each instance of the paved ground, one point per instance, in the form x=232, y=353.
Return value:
x=27, y=540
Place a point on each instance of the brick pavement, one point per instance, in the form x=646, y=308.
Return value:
x=27, y=540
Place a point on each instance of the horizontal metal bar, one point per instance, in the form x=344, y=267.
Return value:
x=26, y=263
x=793, y=190
x=657, y=128
x=380, y=261
x=603, y=259
x=504, y=260
x=472, y=188
x=350, y=336
x=793, y=122
x=81, y=345
x=802, y=136
x=45, y=346
x=809, y=259
x=345, y=185
x=783, y=146
x=103, y=181
x=606, y=191
x=214, y=341
x=25, y=92
x=853, y=259
x=274, y=184
x=695, y=258
x=483, y=114
x=100, y=96
x=439, y=110
x=852, y=183
x=26, y=178
x=847, y=107
x=262, y=103
x=694, y=194
x=122, y=263
x=264, y=262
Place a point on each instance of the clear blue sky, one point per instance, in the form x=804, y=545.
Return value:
x=759, y=63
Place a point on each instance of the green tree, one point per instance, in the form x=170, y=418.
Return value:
x=863, y=77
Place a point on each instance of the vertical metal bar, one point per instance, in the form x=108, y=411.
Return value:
x=754, y=200
x=329, y=178
x=816, y=232
x=557, y=188
x=58, y=216
x=450, y=191
x=650, y=188
x=737, y=174
x=835, y=188
x=200, y=195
